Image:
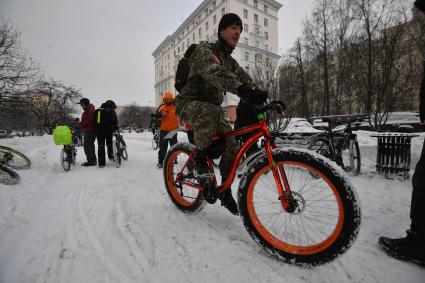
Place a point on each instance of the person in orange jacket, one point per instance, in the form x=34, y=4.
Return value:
x=169, y=122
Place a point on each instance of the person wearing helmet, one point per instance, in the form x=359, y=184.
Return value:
x=212, y=72
x=168, y=122
x=88, y=128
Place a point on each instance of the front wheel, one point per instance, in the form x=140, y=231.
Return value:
x=181, y=189
x=325, y=222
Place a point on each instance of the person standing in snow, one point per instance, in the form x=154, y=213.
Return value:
x=169, y=122
x=412, y=247
x=88, y=128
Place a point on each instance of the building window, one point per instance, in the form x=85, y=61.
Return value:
x=266, y=35
x=247, y=69
x=257, y=30
x=266, y=22
x=206, y=26
x=223, y=11
x=245, y=13
x=193, y=37
x=245, y=1
x=266, y=9
x=255, y=4
x=245, y=40
x=200, y=32
x=188, y=41
x=245, y=28
x=246, y=56
x=257, y=43
x=214, y=19
x=256, y=18
x=214, y=4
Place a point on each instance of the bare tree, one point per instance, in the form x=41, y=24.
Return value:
x=51, y=102
x=318, y=34
x=16, y=70
x=135, y=116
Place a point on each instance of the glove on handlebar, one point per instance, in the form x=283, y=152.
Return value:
x=252, y=94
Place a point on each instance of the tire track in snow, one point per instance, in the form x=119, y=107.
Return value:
x=113, y=270
x=136, y=247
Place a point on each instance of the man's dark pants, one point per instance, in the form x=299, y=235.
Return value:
x=103, y=137
x=417, y=209
x=163, y=145
x=89, y=148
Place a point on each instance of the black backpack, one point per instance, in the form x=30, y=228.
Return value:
x=182, y=72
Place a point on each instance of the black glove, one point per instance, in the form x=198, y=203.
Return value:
x=252, y=94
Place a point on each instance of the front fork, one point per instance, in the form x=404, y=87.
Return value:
x=287, y=201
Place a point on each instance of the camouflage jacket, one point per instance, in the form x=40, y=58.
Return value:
x=212, y=72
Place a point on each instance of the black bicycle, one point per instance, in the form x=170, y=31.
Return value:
x=339, y=144
x=119, y=147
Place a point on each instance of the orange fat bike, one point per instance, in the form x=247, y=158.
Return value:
x=297, y=205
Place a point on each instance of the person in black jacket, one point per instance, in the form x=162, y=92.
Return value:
x=106, y=124
x=412, y=247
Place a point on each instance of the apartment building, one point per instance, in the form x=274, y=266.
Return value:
x=257, y=48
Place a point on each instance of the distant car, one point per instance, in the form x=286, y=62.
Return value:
x=3, y=134
x=13, y=134
x=402, y=122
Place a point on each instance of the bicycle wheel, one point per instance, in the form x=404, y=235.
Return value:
x=65, y=160
x=155, y=141
x=323, y=226
x=8, y=176
x=185, y=197
x=355, y=159
x=116, y=153
x=13, y=158
x=123, y=146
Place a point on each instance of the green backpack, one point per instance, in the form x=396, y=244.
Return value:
x=62, y=135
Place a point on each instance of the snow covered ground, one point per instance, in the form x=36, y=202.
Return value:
x=119, y=225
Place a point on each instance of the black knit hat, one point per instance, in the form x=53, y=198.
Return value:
x=228, y=20
x=84, y=101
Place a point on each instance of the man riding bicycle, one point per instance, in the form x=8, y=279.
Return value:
x=212, y=72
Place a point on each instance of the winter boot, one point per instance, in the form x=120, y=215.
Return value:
x=204, y=176
x=229, y=202
x=404, y=248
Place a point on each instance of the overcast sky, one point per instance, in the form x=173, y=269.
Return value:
x=104, y=47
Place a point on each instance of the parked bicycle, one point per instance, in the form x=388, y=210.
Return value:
x=339, y=144
x=64, y=135
x=119, y=147
x=288, y=212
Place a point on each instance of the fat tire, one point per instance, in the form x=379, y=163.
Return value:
x=9, y=177
x=65, y=162
x=351, y=217
x=198, y=204
x=16, y=154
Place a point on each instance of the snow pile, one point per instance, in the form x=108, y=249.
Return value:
x=119, y=225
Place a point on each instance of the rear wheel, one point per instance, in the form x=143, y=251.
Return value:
x=13, y=158
x=184, y=196
x=355, y=159
x=325, y=222
x=8, y=176
x=65, y=160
